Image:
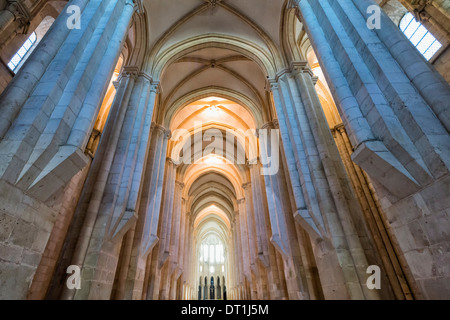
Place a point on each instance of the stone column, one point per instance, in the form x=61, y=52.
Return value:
x=239, y=248
x=170, y=282
x=167, y=213
x=244, y=237
x=179, y=251
x=160, y=257
x=373, y=215
x=394, y=100
x=78, y=236
x=318, y=166
x=50, y=106
x=145, y=237
x=283, y=231
x=251, y=235
x=394, y=106
x=42, y=105
x=153, y=191
x=117, y=209
x=267, y=255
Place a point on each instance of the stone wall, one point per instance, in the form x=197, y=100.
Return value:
x=25, y=227
x=421, y=225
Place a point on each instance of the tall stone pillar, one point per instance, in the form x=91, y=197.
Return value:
x=117, y=206
x=373, y=215
x=322, y=180
x=394, y=106
x=284, y=237
x=244, y=244
x=262, y=220
x=49, y=108
x=238, y=248
x=169, y=283
x=160, y=256
x=179, y=248
x=145, y=235
x=77, y=238
x=256, y=289
x=167, y=213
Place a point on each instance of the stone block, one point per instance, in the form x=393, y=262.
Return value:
x=7, y=223
x=10, y=253
x=23, y=234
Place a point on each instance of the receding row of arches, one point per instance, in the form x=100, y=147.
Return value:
x=208, y=291
x=225, y=154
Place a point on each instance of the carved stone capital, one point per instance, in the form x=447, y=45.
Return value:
x=268, y=125
x=130, y=72
x=172, y=162
x=252, y=162
x=297, y=67
x=179, y=184
x=145, y=75
x=273, y=85
x=166, y=132
x=21, y=13
x=276, y=124
x=246, y=185
x=155, y=87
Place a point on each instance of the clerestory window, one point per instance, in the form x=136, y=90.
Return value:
x=420, y=37
x=15, y=61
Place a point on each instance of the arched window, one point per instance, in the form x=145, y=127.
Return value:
x=420, y=37
x=211, y=251
x=22, y=52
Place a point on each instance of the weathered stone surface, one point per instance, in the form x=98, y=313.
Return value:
x=224, y=149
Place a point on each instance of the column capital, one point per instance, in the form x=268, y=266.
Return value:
x=146, y=76
x=268, y=125
x=339, y=127
x=273, y=84
x=166, y=132
x=297, y=67
x=276, y=124
x=155, y=87
x=280, y=74
x=179, y=183
x=20, y=12
x=137, y=5
x=171, y=161
x=130, y=72
x=252, y=162
x=246, y=185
